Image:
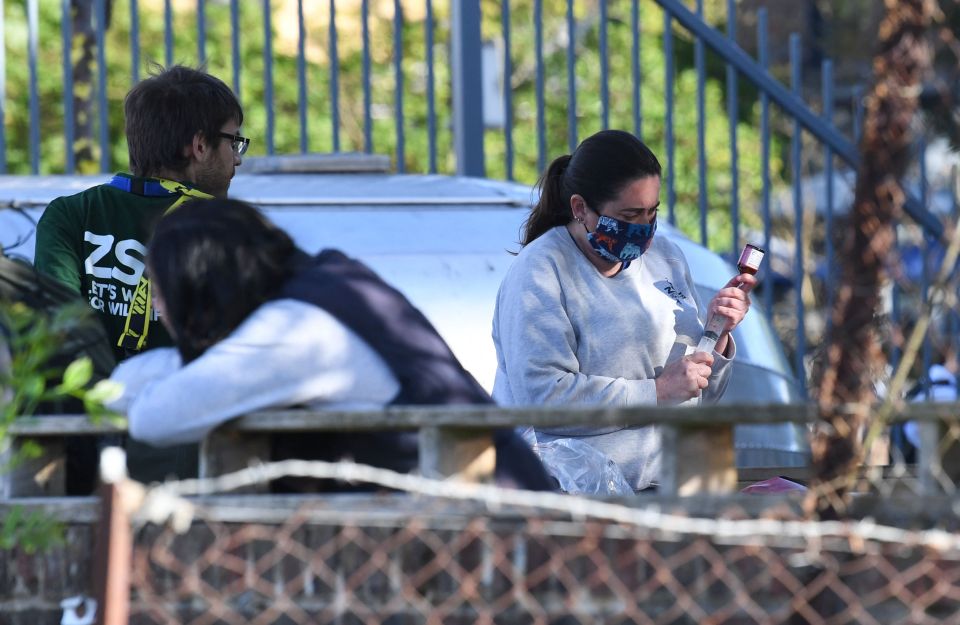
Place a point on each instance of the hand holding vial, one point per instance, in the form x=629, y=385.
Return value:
x=749, y=264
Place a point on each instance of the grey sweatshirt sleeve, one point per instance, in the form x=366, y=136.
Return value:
x=285, y=353
x=536, y=345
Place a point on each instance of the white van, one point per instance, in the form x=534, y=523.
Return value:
x=445, y=242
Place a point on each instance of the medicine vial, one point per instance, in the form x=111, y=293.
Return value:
x=750, y=259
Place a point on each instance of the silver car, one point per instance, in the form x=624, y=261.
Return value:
x=445, y=242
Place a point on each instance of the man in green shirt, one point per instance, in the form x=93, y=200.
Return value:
x=182, y=128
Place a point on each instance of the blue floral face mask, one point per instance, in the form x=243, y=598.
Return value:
x=621, y=241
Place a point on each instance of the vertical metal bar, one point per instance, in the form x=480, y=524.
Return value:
x=367, y=118
x=202, y=31
x=302, y=76
x=268, y=72
x=33, y=27
x=733, y=114
x=466, y=67
x=668, y=115
x=168, y=32
x=827, y=91
x=700, y=61
x=765, y=153
x=541, y=113
x=431, y=93
x=102, y=85
x=925, y=350
x=507, y=90
x=604, y=68
x=398, y=81
x=953, y=319
x=571, y=78
x=635, y=68
x=134, y=41
x=235, y=44
x=334, y=78
x=795, y=154
x=66, y=29
x=3, y=97
x=896, y=352
x=857, y=113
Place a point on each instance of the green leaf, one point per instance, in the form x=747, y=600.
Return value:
x=76, y=376
x=30, y=449
x=104, y=391
x=32, y=386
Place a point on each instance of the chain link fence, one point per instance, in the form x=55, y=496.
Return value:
x=500, y=556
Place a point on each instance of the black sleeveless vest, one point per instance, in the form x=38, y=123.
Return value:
x=425, y=367
x=427, y=370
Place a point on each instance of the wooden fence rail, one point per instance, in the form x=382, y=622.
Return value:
x=698, y=444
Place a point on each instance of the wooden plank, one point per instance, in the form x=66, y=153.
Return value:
x=224, y=451
x=57, y=425
x=483, y=417
x=466, y=454
x=63, y=509
x=697, y=460
x=43, y=476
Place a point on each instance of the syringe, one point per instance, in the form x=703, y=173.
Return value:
x=750, y=259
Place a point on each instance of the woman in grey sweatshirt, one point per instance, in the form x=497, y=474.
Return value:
x=597, y=310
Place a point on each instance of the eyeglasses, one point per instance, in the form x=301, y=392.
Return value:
x=238, y=143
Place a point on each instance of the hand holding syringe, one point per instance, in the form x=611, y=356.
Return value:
x=749, y=263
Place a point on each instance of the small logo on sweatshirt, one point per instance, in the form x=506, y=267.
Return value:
x=673, y=292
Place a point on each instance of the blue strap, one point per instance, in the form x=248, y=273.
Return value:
x=140, y=186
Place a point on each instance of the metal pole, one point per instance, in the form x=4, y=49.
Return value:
x=3, y=98
x=467, y=87
x=66, y=28
x=33, y=27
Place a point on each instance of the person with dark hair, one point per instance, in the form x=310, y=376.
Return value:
x=597, y=310
x=182, y=129
x=258, y=323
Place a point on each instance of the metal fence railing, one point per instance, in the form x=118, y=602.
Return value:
x=497, y=88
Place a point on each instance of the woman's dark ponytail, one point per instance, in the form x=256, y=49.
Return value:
x=598, y=170
x=553, y=207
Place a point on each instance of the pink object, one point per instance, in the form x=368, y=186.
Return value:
x=773, y=485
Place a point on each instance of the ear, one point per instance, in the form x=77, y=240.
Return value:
x=578, y=207
x=198, y=148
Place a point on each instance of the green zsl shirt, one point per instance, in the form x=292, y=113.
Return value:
x=95, y=242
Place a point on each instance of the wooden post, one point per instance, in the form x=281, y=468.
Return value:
x=467, y=454
x=114, y=552
x=44, y=476
x=928, y=457
x=226, y=451
x=697, y=460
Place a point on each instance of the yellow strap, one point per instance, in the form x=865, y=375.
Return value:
x=140, y=307
x=141, y=304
